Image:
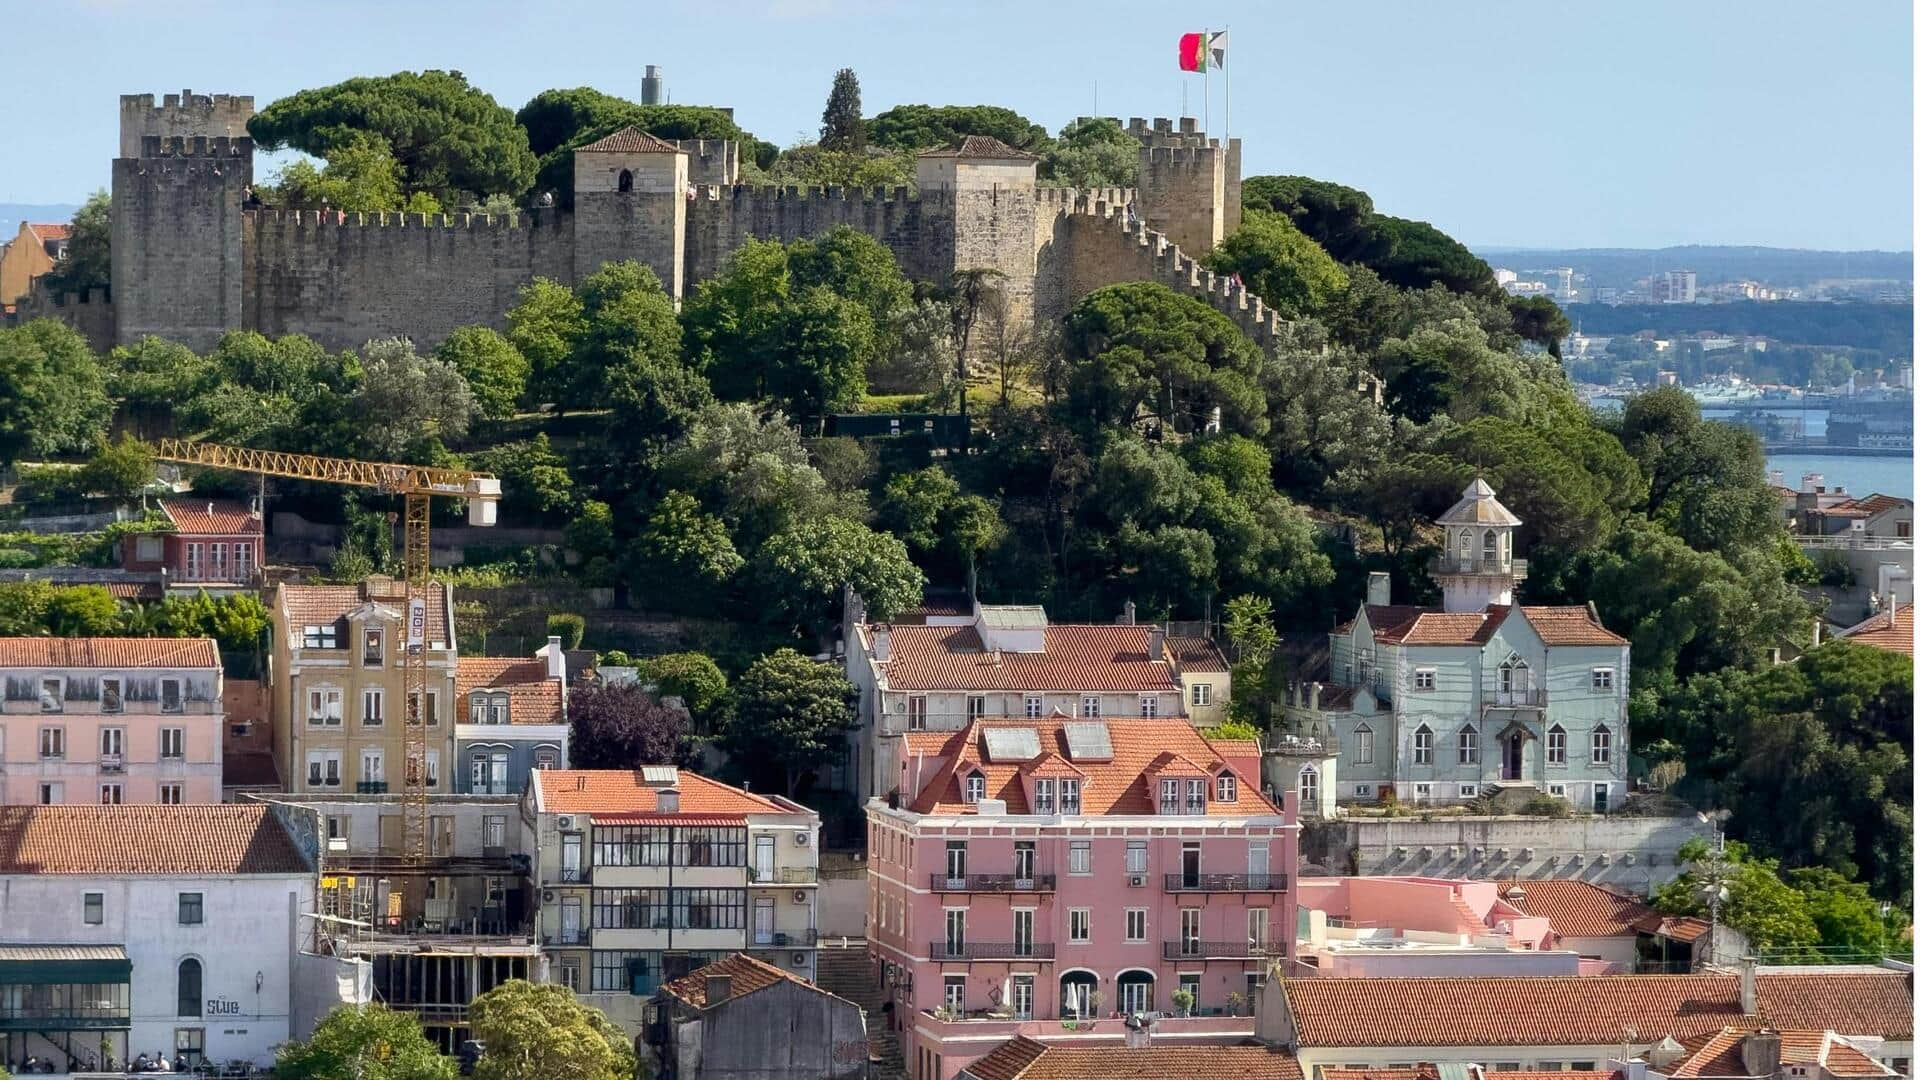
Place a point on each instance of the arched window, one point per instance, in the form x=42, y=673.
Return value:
x=1515, y=676
x=189, y=987
x=1076, y=994
x=976, y=787
x=626, y=179
x=1556, y=745
x=1423, y=745
x=1136, y=991
x=1309, y=787
x=1363, y=745
x=1469, y=745
x=1466, y=544
x=1490, y=546
x=1602, y=745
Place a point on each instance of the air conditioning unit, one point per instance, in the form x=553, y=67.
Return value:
x=565, y=822
x=546, y=896
x=801, y=839
x=799, y=959
x=799, y=896
x=1137, y=880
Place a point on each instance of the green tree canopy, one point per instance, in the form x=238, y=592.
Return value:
x=53, y=396
x=541, y=1031
x=791, y=715
x=152, y=378
x=449, y=138
x=1707, y=481
x=121, y=469
x=682, y=555
x=557, y=121
x=495, y=371
x=841, y=128
x=1335, y=216
x=1093, y=151
x=545, y=324
x=692, y=677
x=920, y=127
x=405, y=399
x=1279, y=264
x=1772, y=914
x=87, y=263
x=803, y=571
x=361, y=175
x=1143, y=354
x=364, y=1042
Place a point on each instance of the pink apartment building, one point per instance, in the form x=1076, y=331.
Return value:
x=111, y=720
x=1052, y=877
x=215, y=543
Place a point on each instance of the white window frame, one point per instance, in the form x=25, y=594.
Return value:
x=1079, y=925
x=976, y=787
x=1079, y=857
x=1226, y=788
x=1136, y=924
x=112, y=794
x=113, y=742
x=1362, y=791
x=1602, y=679
x=1422, y=791
x=325, y=764
x=976, y=706
x=175, y=689
x=118, y=685
x=1202, y=694
x=1034, y=706
x=53, y=743
x=917, y=712
x=1423, y=745
x=373, y=706
x=1556, y=745
x=1558, y=791
x=1425, y=678
x=57, y=701
x=330, y=702
x=1090, y=706
x=1363, y=745
x=172, y=794
x=1602, y=745
x=1149, y=705
x=1467, y=746
x=1136, y=865
x=173, y=743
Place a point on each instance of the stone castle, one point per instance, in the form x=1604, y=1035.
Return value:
x=192, y=259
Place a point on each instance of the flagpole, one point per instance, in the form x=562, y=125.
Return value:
x=1229, y=120
x=1206, y=79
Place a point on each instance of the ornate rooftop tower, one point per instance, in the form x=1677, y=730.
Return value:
x=1477, y=567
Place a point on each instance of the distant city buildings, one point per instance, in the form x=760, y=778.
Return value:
x=1675, y=287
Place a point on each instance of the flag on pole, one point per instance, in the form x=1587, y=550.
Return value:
x=1202, y=50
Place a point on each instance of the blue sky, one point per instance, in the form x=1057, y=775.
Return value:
x=1630, y=123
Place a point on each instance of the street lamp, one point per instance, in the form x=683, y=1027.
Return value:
x=1714, y=889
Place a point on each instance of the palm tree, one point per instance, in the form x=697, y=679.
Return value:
x=969, y=290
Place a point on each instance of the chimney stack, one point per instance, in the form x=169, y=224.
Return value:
x=1379, y=588
x=556, y=659
x=1749, y=989
x=882, y=643
x=651, y=85
x=1760, y=1052
x=719, y=989
x=1126, y=614
x=1157, y=643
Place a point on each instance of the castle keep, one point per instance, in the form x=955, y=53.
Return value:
x=192, y=260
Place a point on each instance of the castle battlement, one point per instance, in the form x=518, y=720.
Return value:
x=183, y=114
x=396, y=219
x=187, y=100
x=1184, y=157
x=1163, y=132
x=165, y=146
x=793, y=193
x=1071, y=200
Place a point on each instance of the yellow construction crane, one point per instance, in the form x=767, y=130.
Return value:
x=419, y=483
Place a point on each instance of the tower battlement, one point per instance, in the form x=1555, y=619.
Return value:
x=169, y=146
x=1165, y=132
x=183, y=114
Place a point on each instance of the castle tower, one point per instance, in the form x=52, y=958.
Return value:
x=980, y=197
x=1189, y=183
x=177, y=226
x=1478, y=568
x=630, y=199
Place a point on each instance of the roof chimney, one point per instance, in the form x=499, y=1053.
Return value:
x=1157, y=643
x=556, y=659
x=1379, y=588
x=1749, y=990
x=1126, y=614
x=882, y=643
x=719, y=988
x=650, y=85
x=1760, y=1052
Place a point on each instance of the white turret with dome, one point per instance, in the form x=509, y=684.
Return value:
x=1478, y=568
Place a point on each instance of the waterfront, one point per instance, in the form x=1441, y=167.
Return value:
x=1859, y=475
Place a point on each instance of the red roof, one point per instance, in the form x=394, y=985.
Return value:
x=1581, y=909
x=108, y=652
x=1123, y=785
x=146, y=839
x=1889, y=630
x=979, y=146
x=49, y=231
x=629, y=140
x=316, y=605
x=1023, y=1058
x=211, y=517
x=1718, y=1054
x=533, y=697
x=1403, y=624
x=622, y=792
x=748, y=975
x=1587, y=1010
x=1076, y=657
x=1196, y=654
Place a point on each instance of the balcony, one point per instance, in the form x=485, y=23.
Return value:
x=991, y=883
x=785, y=939
x=565, y=937
x=1226, y=882
x=783, y=875
x=113, y=764
x=1217, y=950
x=990, y=950
x=370, y=787
x=1533, y=697
x=566, y=875
x=1473, y=564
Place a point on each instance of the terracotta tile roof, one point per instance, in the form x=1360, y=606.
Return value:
x=614, y=792
x=946, y=604
x=108, y=652
x=533, y=698
x=1889, y=630
x=1077, y=657
x=1682, y=928
x=748, y=975
x=46, y=231
x=228, y=518
x=165, y=840
x=1570, y=626
x=143, y=591
x=1718, y=1054
x=1878, y=501
x=1022, y=1058
x=629, y=140
x=1580, y=909
x=1234, y=747
x=1196, y=654
x=979, y=146
x=1121, y=785
x=1586, y=1010
x=1440, y=628
x=1427, y=1071
x=314, y=605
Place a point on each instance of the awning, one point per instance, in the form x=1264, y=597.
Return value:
x=64, y=964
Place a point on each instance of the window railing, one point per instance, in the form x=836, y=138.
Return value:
x=783, y=875
x=991, y=883
x=991, y=950
x=785, y=939
x=1226, y=882
x=1477, y=564
x=565, y=937
x=113, y=763
x=1534, y=697
x=1243, y=949
x=368, y=787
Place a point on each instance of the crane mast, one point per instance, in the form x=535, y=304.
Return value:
x=417, y=484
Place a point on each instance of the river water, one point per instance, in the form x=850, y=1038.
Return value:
x=1859, y=475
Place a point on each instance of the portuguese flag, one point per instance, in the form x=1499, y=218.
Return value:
x=1199, y=51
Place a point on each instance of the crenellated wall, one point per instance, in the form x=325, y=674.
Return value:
x=185, y=113
x=176, y=246
x=721, y=219
x=91, y=313
x=345, y=278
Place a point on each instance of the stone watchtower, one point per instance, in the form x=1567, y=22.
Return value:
x=1477, y=567
x=183, y=173
x=630, y=195
x=1189, y=183
x=980, y=209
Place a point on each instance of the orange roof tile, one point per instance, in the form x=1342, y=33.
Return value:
x=1718, y=1054
x=211, y=517
x=142, y=591
x=1889, y=630
x=45, y=231
x=1196, y=654
x=1428, y=1071
x=147, y=839
x=1581, y=909
x=748, y=975
x=1570, y=626
x=533, y=697
x=616, y=792
x=108, y=652
x=629, y=140
x=1406, y=625
x=1077, y=657
x=314, y=605
x=1118, y=786
x=1233, y=747
x=979, y=146
x=1023, y=1058
x=1586, y=1010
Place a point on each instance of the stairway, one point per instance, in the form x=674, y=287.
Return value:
x=845, y=971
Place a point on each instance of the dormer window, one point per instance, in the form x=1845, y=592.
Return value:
x=1226, y=788
x=1169, y=795
x=372, y=646
x=976, y=787
x=1069, y=796
x=1043, y=796
x=320, y=636
x=1196, y=796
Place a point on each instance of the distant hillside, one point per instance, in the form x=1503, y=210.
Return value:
x=1887, y=328
x=12, y=214
x=1620, y=267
